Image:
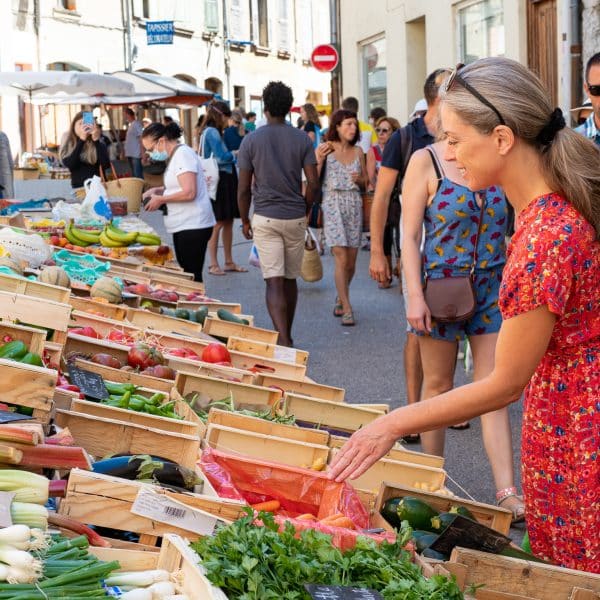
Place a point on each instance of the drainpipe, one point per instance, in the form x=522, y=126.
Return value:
x=336, y=74
x=576, y=60
x=127, y=47
x=226, y=55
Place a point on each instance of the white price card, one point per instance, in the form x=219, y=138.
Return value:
x=285, y=354
x=159, y=507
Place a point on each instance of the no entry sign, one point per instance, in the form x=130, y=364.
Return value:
x=324, y=58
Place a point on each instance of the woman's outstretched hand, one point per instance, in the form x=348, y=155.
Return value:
x=364, y=448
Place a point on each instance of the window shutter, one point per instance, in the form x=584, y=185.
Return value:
x=137, y=8
x=255, y=22
x=211, y=15
x=236, y=28
x=305, y=23
x=284, y=26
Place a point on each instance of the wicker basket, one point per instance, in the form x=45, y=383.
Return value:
x=312, y=268
x=127, y=187
x=367, y=203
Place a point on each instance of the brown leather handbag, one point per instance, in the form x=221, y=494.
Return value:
x=453, y=299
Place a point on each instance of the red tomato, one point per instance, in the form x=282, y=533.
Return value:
x=87, y=331
x=216, y=353
x=161, y=371
x=141, y=356
x=107, y=360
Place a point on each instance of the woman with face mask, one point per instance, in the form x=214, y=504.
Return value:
x=184, y=198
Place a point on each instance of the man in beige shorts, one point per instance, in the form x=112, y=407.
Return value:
x=270, y=161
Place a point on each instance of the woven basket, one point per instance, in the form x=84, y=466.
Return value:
x=312, y=268
x=127, y=187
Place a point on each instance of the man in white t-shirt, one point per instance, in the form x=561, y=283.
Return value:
x=133, y=143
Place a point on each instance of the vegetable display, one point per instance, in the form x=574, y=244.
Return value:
x=249, y=561
x=18, y=351
x=124, y=395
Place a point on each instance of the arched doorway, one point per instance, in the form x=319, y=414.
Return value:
x=214, y=85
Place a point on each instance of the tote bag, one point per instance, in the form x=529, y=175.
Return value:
x=210, y=166
x=312, y=268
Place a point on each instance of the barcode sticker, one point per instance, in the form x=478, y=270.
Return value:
x=285, y=354
x=158, y=507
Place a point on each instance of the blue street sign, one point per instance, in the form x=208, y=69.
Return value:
x=159, y=32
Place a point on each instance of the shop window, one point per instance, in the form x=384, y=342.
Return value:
x=374, y=66
x=239, y=95
x=481, y=30
x=211, y=15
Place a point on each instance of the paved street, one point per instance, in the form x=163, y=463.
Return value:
x=367, y=359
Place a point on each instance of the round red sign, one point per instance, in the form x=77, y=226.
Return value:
x=324, y=58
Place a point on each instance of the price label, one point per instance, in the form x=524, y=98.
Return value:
x=90, y=384
x=285, y=354
x=340, y=592
x=158, y=507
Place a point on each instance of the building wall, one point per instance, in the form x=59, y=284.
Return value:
x=93, y=37
x=422, y=35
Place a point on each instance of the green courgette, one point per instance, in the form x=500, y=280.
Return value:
x=462, y=510
x=429, y=553
x=14, y=350
x=425, y=541
x=226, y=315
x=31, y=359
x=182, y=313
x=201, y=315
x=389, y=511
x=416, y=512
x=442, y=521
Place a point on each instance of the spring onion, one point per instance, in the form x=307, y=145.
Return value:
x=137, y=594
x=25, y=484
x=138, y=578
x=25, y=513
x=162, y=589
x=19, y=558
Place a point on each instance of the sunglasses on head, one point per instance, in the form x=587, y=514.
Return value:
x=594, y=89
x=456, y=78
x=382, y=130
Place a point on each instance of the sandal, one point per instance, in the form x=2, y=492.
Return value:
x=338, y=309
x=215, y=270
x=232, y=267
x=348, y=319
x=518, y=510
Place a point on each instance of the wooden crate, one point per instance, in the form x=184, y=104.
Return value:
x=112, y=311
x=177, y=273
x=282, y=353
x=54, y=352
x=193, y=428
x=265, y=447
x=217, y=389
x=398, y=453
x=147, y=319
x=33, y=338
x=233, y=307
x=35, y=289
x=129, y=559
x=103, y=325
x=106, y=501
x=118, y=376
x=305, y=388
x=178, y=284
x=335, y=415
x=199, y=367
x=28, y=385
x=256, y=425
x=520, y=577
x=227, y=329
x=241, y=360
x=89, y=346
x=492, y=516
x=39, y=312
x=102, y=436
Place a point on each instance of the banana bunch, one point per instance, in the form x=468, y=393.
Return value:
x=82, y=237
x=113, y=237
x=148, y=239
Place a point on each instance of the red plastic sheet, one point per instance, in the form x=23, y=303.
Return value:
x=299, y=491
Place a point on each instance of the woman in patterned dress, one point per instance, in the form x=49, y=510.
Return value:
x=443, y=212
x=502, y=130
x=345, y=176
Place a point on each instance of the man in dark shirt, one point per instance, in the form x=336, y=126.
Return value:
x=416, y=135
x=276, y=154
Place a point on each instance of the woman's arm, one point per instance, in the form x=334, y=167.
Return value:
x=530, y=332
x=371, y=168
x=73, y=160
x=187, y=183
x=415, y=195
x=217, y=148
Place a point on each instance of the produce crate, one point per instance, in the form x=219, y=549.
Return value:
x=112, y=311
x=35, y=289
x=256, y=425
x=147, y=319
x=227, y=329
x=54, y=351
x=282, y=353
x=107, y=501
x=176, y=272
x=28, y=385
x=119, y=376
x=103, y=325
x=241, y=360
x=82, y=344
x=233, y=307
x=265, y=447
x=127, y=274
x=398, y=453
x=522, y=578
x=198, y=367
x=216, y=389
x=38, y=312
x=305, y=388
x=103, y=436
x=180, y=285
x=492, y=516
x=33, y=338
x=335, y=415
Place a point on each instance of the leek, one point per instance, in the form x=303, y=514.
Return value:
x=138, y=578
x=25, y=513
x=36, y=486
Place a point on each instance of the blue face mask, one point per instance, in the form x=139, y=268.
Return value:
x=159, y=155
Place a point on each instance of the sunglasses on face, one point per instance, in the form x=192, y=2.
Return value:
x=456, y=78
x=594, y=89
x=382, y=130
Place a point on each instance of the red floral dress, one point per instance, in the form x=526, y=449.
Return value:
x=554, y=260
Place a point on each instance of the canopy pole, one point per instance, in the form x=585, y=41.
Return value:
x=113, y=130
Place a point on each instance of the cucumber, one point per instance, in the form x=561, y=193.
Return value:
x=31, y=359
x=226, y=315
x=416, y=512
x=425, y=541
x=442, y=521
x=389, y=511
x=14, y=350
x=201, y=315
x=182, y=313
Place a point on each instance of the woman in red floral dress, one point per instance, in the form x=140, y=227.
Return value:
x=502, y=131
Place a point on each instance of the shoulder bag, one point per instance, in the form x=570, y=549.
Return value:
x=453, y=299
x=210, y=166
x=315, y=215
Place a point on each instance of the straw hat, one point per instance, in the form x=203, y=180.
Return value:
x=586, y=106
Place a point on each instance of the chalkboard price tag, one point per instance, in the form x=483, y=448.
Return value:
x=8, y=417
x=339, y=592
x=90, y=384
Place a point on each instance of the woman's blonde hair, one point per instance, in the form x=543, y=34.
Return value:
x=88, y=154
x=312, y=114
x=394, y=123
x=570, y=162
